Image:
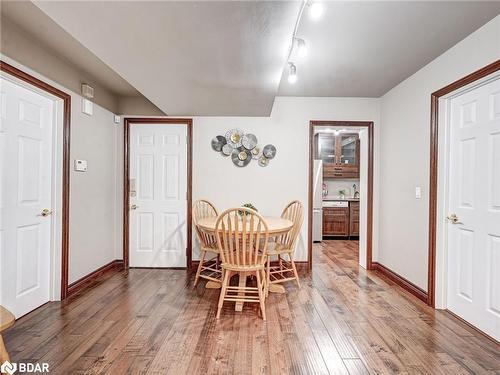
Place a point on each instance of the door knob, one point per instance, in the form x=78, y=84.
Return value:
x=134, y=207
x=453, y=218
x=45, y=212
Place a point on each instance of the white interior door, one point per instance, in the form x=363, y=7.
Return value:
x=26, y=173
x=158, y=195
x=473, y=290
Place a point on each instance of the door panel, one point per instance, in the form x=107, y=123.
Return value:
x=474, y=196
x=158, y=168
x=26, y=168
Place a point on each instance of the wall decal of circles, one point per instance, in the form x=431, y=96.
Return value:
x=243, y=148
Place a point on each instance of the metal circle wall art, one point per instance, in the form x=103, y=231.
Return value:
x=241, y=157
x=234, y=137
x=269, y=151
x=249, y=141
x=218, y=142
x=227, y=149
x=243, y=148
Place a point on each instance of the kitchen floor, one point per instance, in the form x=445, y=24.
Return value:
x=343, y=249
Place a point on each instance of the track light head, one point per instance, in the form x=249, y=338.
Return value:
x=292, y=73
x=315, y=9
x=301, y=47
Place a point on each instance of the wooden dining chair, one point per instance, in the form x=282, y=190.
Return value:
x=6, y=321
x=242, y=236
x=208, y=269
x=285, y=244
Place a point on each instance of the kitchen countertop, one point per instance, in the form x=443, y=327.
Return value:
x=340, y=199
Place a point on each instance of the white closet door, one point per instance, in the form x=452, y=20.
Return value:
x=474, y=197
x=26, y=171
x=158, y=191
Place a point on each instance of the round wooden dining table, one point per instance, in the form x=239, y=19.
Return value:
x=276, y=227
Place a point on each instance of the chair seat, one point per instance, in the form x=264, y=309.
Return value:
x=261, y=264
x=277, y=248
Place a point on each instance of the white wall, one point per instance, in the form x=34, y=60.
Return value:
x=92, y=219
x=92, y=194
x=286, y=178
x=404, y=151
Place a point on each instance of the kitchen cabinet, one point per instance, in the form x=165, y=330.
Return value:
x=353, y=218
x=341, y=221
x=335, y=221
x=340, y=154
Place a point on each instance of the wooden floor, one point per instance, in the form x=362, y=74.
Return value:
x=342, y=321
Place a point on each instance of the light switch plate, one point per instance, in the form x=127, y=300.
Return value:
x=418, y=192
x=80, y=165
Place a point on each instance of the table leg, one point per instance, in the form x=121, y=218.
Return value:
x=242, y=283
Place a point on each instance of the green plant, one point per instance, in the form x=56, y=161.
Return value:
x=247, y=205
x=342, y=192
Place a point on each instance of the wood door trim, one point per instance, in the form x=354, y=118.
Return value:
x=369, y=211
x=66, y=98
x=433, y=178
x=126, y=177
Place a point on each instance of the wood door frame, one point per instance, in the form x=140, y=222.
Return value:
x=433, y=178
x=66, y=122
x=369, y=205
x=126, y=180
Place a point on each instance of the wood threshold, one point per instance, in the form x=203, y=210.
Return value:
x=433, y=174
x=86, y=281
x=400, y=281
x=66, y=137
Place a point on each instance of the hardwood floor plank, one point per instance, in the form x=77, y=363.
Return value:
x=343, y=320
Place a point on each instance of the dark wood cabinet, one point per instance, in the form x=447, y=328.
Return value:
x=341, y=221
x=353, y=218
x=340, y=154
x=335, y=221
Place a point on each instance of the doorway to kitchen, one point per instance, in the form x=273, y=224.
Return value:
x=341, y=189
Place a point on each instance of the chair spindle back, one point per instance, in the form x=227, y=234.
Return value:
x=242, y=237
x=294, y=212
x=201, y=210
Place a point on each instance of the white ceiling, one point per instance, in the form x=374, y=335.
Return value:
x=363, y=49
x=227, y=58
x=188, y=58
x=39, y=25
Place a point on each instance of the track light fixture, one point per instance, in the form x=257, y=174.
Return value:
x=292, y=73
x=301, y=47
x=315, y=9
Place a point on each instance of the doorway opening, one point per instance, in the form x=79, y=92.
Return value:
x=341, y=188
x=157, y=193
x=34, y=133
